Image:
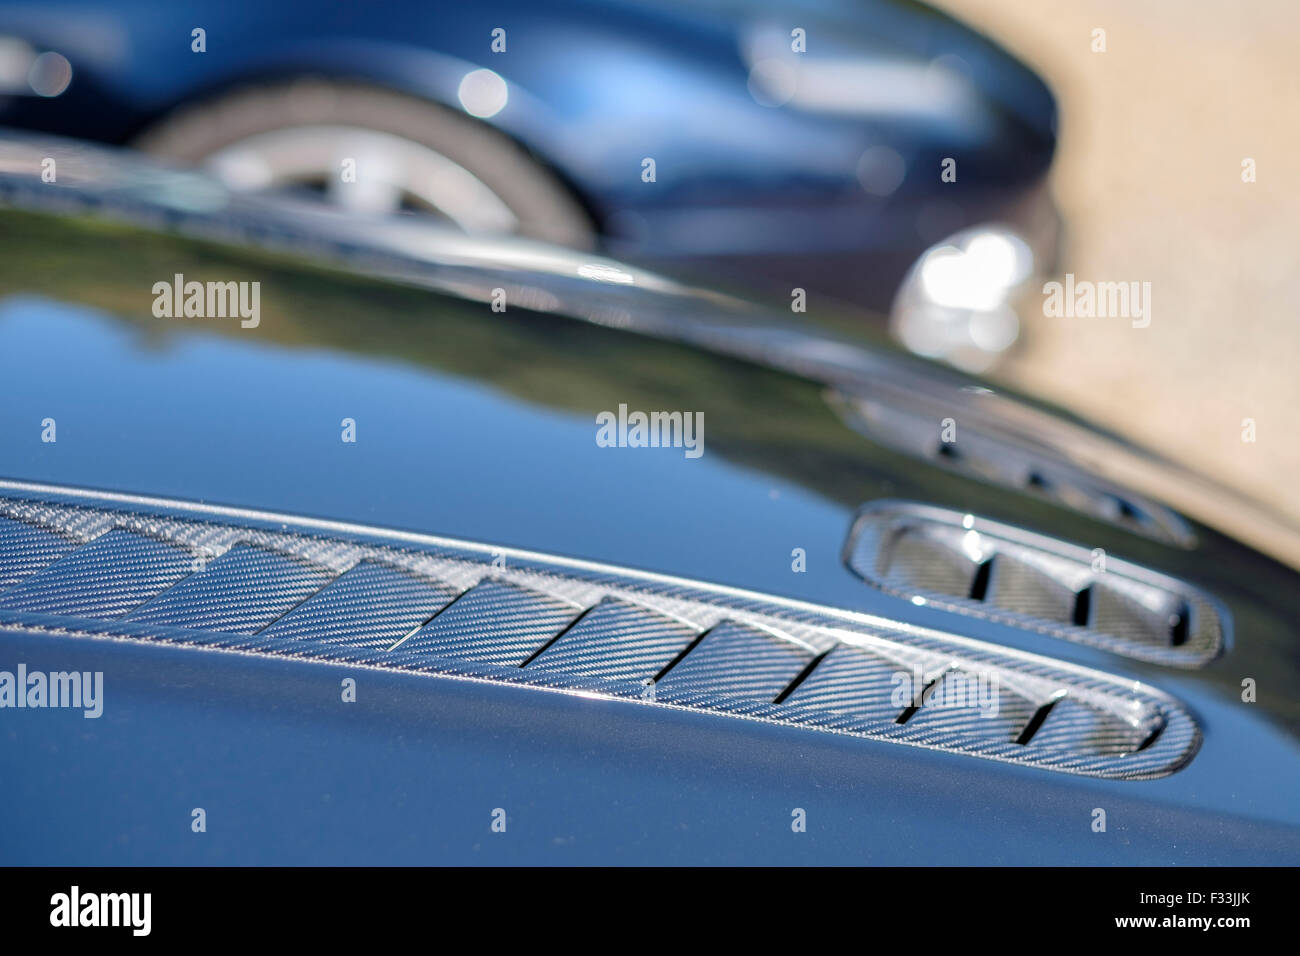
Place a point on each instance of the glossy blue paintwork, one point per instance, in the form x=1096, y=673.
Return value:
x=411, y=774
x=747, y=190
x=481, y=425
x=506, y=485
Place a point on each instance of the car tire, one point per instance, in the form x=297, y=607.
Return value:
x=541, y=206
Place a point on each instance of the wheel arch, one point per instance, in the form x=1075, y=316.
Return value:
x=425, y=75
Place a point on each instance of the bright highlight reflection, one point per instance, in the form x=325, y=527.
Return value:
x=483, y=93
x=957, y=302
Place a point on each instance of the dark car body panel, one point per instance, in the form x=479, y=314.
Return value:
x=480, y=425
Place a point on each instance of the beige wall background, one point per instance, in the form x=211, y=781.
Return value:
x=1148, y=178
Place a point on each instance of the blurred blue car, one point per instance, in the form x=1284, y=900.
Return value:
x=824, y=145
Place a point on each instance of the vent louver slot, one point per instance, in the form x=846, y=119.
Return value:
x=357, y=616
x=616, y=641
x=108, y=577
x=962, y=703
x=853, y=687
x=1070, y=721
x=1040, y=716
x=240, y=592
x=985, y=569
x=907, y=420
x=492, y=623
x=738, y=661
x=25, y=549
x=224, y=580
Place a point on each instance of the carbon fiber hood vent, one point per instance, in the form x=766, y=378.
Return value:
x=909, y=421
x=79, y=564
x=986, y=569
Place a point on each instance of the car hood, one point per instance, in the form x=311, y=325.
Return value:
x=482, y=425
